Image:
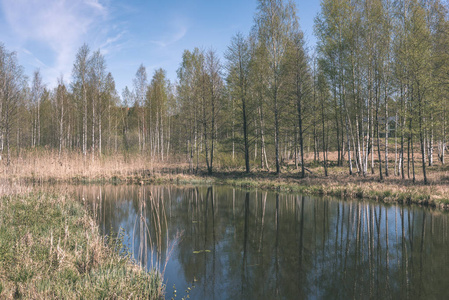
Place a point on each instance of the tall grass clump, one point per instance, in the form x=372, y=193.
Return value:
x=51, y=248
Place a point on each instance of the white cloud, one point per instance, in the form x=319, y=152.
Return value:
x=61, y=25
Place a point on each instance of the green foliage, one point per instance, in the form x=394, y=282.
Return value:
x=376, y=63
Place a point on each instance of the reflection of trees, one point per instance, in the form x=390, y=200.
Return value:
x=251, y=244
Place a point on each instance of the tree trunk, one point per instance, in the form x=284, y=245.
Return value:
x=276, y=130
x=378, y=140
x=61, y=129
x=206, y=149
x=386, y=133
x=99, y=135
x=421, y=137
x=245, y=134
x=93, y=131
x=212, y=132
x=324, y=139
x=262, y=138
x=301, y=138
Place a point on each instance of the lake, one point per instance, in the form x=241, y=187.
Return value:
x=219, y=242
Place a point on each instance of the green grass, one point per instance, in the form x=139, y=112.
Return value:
x=50, y=248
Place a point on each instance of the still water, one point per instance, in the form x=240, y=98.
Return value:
x=218, y=242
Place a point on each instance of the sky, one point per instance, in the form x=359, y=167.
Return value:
x=46, y=35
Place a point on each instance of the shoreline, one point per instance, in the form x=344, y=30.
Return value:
x=389, y=191
x=52, y=248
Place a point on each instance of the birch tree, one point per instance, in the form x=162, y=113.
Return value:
x=239, y=58
x=274, y=20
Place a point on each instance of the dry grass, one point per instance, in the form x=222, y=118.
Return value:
x=392, y=189
x=43, y=166
x=50, y=248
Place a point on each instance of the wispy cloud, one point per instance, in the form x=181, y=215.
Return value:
x=60, y=25
x=96, y=5
x=112, y=43
x=36, y=61
x=179, y=34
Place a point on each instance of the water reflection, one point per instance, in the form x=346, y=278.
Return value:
x=233, y=244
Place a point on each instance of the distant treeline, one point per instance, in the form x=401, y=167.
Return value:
x=378, y=79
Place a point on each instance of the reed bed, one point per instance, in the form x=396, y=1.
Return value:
x=46, y=166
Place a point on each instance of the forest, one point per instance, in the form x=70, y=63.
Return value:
x=370, y=97
x=267, y=171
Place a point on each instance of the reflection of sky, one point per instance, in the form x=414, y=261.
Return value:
x=348, y=247
x=127, y=224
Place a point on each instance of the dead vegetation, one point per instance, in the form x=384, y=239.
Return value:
x=45, y=167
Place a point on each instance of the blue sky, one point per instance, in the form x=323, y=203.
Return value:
x=47, y=34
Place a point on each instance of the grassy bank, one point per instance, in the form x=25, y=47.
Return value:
x=387, y=192
x=43, y=167
x=50, y=248
x=394, y=190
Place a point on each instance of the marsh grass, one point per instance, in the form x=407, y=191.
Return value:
x=47, y=167
x=50, y=248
